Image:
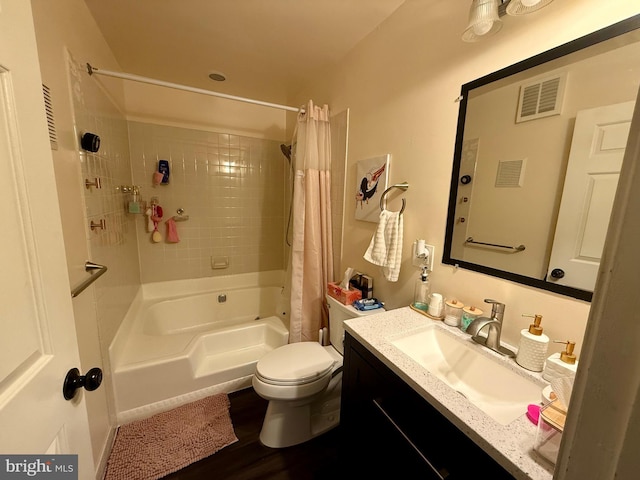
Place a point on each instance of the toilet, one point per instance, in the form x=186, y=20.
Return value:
x=303, y=383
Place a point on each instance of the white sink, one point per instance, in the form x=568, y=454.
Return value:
x=492, y=387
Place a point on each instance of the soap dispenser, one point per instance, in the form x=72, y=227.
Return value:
x=422, y=291
x=562, y=364
x=533, y=346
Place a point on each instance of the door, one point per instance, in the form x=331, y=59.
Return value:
x=37, y=332
x=598, y=145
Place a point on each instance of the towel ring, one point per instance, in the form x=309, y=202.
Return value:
x=402, y=186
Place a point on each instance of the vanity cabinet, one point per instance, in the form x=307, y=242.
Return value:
x=394, y=431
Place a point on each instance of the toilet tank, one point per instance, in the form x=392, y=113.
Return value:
x=338, y=313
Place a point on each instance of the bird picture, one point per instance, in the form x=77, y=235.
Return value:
x=370, y=172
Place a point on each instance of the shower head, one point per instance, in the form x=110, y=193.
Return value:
x=286, y=151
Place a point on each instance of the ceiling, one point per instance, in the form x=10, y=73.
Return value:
x=267, y=49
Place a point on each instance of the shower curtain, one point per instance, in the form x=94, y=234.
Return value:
x=311, y=251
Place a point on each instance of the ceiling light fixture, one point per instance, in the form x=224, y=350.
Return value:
x=484, y=15
x=484, y=20
x=522, y=7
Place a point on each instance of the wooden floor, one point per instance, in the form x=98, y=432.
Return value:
x=249, y=459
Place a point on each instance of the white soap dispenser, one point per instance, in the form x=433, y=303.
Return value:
x=562, y=364
x=533, y=346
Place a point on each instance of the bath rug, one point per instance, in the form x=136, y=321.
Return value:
x=151, y=448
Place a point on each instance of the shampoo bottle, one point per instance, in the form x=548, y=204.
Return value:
x=562, y=364
x=422, y=291
x=533, y=346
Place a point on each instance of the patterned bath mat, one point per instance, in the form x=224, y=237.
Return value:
x=166, y=442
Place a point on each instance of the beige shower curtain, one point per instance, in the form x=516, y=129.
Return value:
x=311, y=252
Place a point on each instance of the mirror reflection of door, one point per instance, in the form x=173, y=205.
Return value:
x=597, y=150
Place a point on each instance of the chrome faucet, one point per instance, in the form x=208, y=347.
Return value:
x=492, y=340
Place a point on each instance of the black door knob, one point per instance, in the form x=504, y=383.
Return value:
x=465, y=179
x=74, y=380
x=557, y=273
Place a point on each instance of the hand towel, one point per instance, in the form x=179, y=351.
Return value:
x=172, y=231
x=385, y=248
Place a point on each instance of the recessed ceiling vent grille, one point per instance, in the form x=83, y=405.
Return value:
x=51, y=123
x=510, y=173
x=541, y=98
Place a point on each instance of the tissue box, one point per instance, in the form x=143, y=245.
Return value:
x=549, y=433
x=344, y=296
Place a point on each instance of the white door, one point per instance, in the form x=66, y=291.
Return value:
x=598, y=145
x=37, y=332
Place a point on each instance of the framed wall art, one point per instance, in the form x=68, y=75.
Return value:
x=372, y=176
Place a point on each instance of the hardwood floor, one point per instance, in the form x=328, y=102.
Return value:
x=319, y=458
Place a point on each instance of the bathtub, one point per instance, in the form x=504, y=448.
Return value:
x=184, y=340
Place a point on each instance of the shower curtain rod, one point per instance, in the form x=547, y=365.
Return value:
x=137, y=78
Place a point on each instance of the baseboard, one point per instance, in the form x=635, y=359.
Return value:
x=101, y=468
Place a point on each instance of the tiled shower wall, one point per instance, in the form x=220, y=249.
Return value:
x=233, y=190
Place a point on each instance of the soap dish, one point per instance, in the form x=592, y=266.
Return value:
x=422, y=312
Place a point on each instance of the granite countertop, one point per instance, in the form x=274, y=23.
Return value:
x=510, y=445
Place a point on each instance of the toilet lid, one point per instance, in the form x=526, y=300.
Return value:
x=295, y=363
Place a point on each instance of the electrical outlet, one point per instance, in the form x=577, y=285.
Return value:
x=432, y=253
x=422, y=262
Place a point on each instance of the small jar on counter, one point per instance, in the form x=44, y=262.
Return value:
x=469, y=314
x=453, y=312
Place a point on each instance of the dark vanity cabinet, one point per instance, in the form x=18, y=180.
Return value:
x=391, y=430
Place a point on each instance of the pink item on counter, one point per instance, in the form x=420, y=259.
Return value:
x=533, y=413
x=172, y=231
x=157, y=178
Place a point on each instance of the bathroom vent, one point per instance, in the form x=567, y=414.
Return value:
x=51, y=123
x=541, y=98
x=510, y=173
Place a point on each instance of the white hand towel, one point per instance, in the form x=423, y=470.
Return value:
x=385, y=248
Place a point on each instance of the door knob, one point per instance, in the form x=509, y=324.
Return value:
x=74, y=380
x=557, y=273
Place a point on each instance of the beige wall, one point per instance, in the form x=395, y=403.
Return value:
x=400, y=84
x=153, y=104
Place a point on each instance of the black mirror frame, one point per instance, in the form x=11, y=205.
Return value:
x=612, y=31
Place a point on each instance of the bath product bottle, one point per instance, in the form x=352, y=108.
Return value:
x=562, y=364
x=422, y=291
x=533, y=346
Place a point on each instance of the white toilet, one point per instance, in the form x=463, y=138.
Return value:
x=303, y=382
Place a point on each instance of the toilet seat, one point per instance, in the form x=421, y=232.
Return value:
x=295, y=364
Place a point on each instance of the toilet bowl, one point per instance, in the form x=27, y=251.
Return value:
x=302, y=382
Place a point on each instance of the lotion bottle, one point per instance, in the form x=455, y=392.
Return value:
x=533, y=346
x=562, y=364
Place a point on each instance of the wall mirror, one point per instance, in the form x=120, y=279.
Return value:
x=538, y=150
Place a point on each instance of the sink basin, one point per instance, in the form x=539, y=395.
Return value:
x=492, y=387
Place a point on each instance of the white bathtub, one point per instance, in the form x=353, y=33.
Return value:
x=184, y=340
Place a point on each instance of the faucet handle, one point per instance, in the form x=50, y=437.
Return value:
x=496, y=307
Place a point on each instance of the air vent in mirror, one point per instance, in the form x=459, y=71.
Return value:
x=541, y=98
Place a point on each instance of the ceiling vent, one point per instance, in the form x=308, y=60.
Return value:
x=51, y=123
x=541, y=98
